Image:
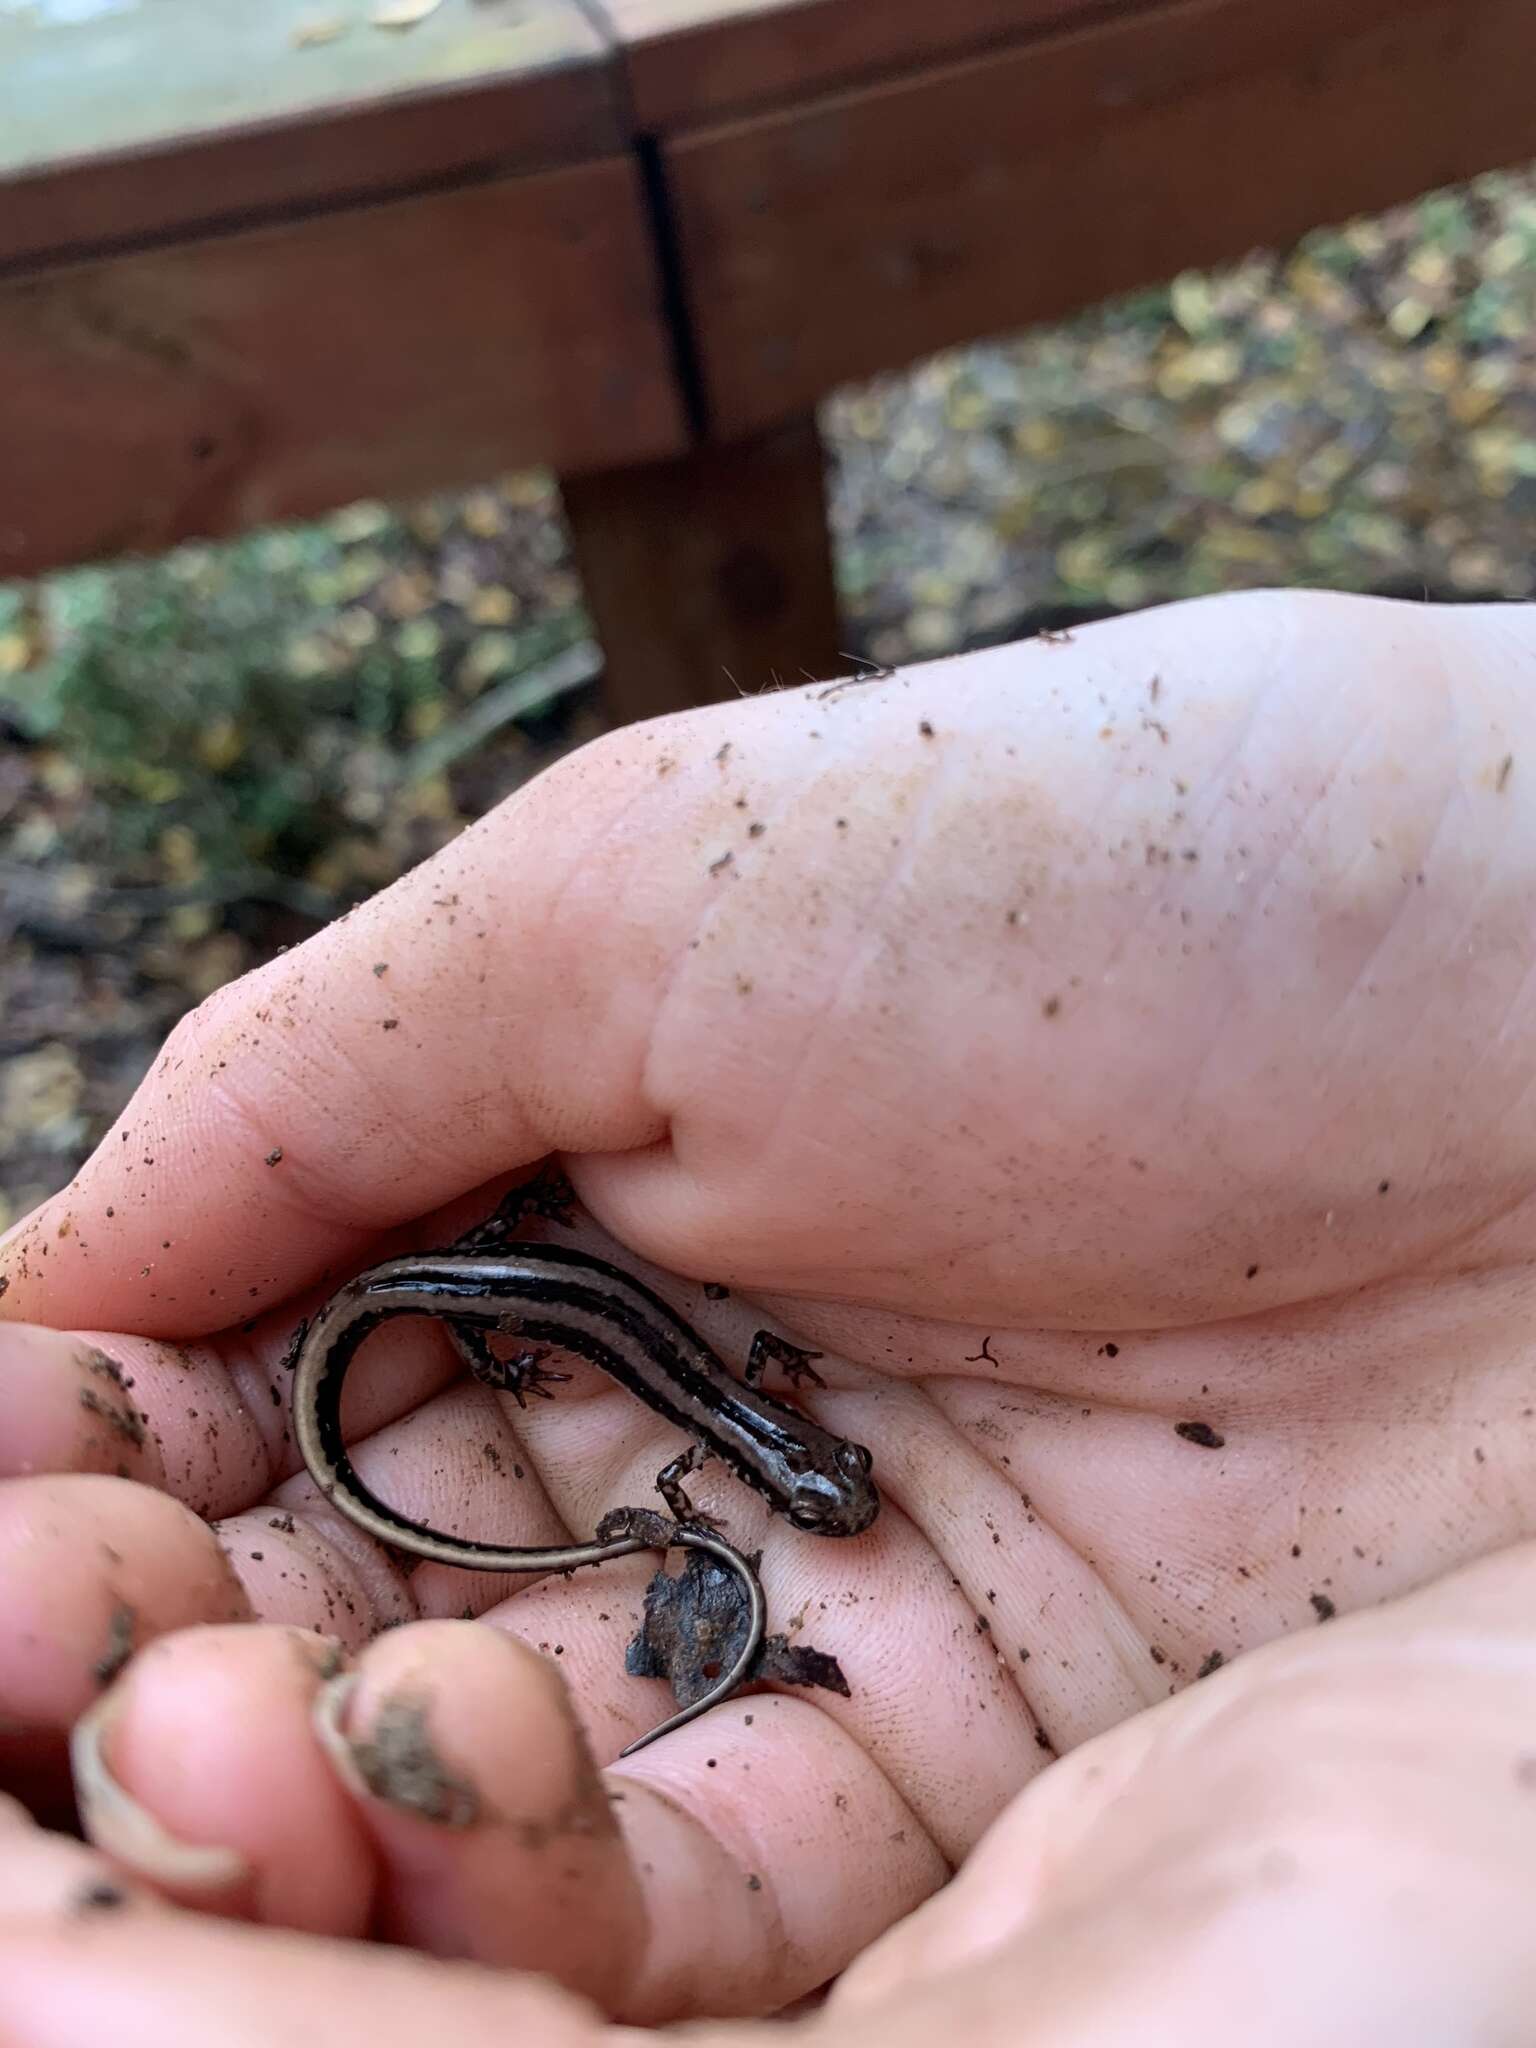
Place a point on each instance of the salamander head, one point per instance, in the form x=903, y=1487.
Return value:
x=835, y=1496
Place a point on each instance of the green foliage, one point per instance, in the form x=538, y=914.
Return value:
x=230, y=697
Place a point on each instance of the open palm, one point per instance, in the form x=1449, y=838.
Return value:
x=1115, y=1058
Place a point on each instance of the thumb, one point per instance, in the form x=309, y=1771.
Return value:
x=490, y=1008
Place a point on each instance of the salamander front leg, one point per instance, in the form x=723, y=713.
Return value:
x=519, y=1376
x=669, y=1484
x=795, y=1360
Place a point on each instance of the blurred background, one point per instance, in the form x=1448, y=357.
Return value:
x=204, y=758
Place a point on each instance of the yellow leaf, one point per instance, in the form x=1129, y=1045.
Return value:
x=358, y=627
x=1505, y=255
x=407, y=593
x=309, y=34
x=309, y=657
x=483, y=515
x=1190, y=297
x=1257, y=498
x=403, y=13
x=420, y=640
x=359, y=571
x=1409, y=318
x=191, y=921
x=152, y=784
x=491, y=655
x=1467, y=406
x=1215, y=362
x=494, y=606
x=39, y=1089
x=1126, y=588
x=866, y=418
x=362, y=521
x=219, y=959
x=59, y=775
x=1084, y=560
x=1040, y=438
x=220, y=744
x=529, y=490
x=434, y=798
x=1430, y=267
x=1474, y=568
x=931, y=631
x=179, y=855
x=966, y=411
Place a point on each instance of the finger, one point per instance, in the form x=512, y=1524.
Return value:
x=775, y=1850
x=360, y=1079
x=491, y=1824
x=186, y=1982
x=198, y=1773
x=185, y=1418
x=46, y=1876
x=208, y=1423
x=439, y=1795
x=443, y=1795
x=69, y=1408
x=782, y=1833
x=91, y=1569
x=118, y=1565
x=211, y=1431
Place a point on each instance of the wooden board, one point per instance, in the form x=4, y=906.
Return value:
x=689, y=61
x=130, y=118
x=709, y=576
x=826, y=243
x=383, y=352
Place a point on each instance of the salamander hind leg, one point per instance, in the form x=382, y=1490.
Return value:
x=548, y=1195
x=518, y=1376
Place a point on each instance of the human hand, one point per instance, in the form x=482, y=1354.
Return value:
x=1053, y=1137
x=1332, y=1842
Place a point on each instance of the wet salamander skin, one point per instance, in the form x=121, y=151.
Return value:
x=548, y=1296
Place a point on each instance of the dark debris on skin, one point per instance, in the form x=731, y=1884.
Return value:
x=695, y=1626
x=98, y=1895
x=120, y=1633
x=399, y=1763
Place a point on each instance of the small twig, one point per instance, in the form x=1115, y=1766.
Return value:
x=869, y=672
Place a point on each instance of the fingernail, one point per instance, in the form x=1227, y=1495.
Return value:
x=117, y=1823
x=328, y=1714
x=388, y=1764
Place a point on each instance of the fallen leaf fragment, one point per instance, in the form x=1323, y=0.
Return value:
x=403, y=13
